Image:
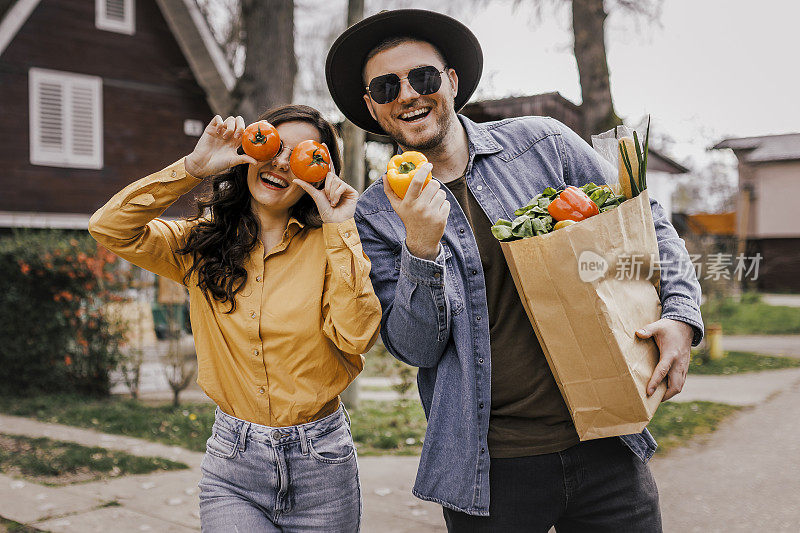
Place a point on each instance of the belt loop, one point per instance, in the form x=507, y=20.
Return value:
x=303, y=439
x=346, y=415
x=243, y=430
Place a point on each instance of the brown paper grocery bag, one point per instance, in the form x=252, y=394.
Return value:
x=586, y=318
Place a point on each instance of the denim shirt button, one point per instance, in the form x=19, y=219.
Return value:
x=480, y=405
x=480, y=361
x=478, y=318
x=436, y=275
x=461, y=231
x=441, y=308
x=474, y=271
x=480, y=187
x=483, y=450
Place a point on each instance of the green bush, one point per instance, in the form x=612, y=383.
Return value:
x=55, y=333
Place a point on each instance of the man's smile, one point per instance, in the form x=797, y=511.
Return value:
x=415, y=114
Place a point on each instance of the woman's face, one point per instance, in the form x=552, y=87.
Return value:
x=270, y=182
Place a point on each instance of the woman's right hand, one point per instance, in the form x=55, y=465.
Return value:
x=216, y=150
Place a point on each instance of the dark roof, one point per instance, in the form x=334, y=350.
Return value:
x=764, y=149
x=551, y=104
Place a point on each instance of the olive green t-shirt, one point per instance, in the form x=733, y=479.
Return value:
x=528, y=414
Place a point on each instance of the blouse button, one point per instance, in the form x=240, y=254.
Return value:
x=252, y=314
x=346, y=234
x=261, y=390
x=174, y=173
x=255, y=352
x=258, y=278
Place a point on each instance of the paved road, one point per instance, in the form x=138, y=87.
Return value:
x=743, y=477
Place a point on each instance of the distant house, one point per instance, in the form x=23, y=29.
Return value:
x=97, y=93
x=767, y=212
x=660, y=167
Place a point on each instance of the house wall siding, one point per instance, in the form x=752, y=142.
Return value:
x=777, y=187
x=148, y=92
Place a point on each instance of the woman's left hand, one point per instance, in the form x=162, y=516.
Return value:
x=336, y=202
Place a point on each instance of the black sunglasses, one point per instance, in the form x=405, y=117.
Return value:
x=425, y=80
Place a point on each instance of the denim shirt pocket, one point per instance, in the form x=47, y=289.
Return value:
x=452, y=285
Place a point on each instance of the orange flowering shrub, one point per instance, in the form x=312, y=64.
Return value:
x=55, y=335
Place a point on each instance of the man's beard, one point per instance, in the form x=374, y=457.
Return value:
x=411, y=142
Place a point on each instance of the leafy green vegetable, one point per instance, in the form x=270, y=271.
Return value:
x=501, y=232
x=533, y=218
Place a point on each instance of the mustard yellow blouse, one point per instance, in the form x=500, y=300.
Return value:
x=302, y=320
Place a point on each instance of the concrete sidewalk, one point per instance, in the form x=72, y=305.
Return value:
x=782, y=345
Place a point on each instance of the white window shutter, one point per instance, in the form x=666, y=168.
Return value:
x=115, y=15
x=49, y=134
x=83, y=119
x=66, y=119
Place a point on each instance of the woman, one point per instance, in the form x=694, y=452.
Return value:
x=281, y=307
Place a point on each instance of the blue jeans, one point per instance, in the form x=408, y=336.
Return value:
x=296, y=478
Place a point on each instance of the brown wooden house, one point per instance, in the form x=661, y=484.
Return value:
x=95, y=94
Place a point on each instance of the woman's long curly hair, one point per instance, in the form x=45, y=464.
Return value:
x=221, y=243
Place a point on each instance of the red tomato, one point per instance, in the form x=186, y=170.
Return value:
x=261, y=140
x=310, y=161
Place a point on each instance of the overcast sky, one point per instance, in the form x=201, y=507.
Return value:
x=709, y=69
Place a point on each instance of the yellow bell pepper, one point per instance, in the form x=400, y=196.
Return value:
x=401, y=169
x=563, y=224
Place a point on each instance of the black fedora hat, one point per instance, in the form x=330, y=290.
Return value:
x=347, y=54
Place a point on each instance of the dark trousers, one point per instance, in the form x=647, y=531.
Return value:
x=594, y=486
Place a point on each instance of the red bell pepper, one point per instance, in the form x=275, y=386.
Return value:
x=572, y=204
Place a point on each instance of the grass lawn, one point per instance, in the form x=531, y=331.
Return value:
x=188, y=426
x=379, y=428
x=676, y=422
x=53, y=462
x=752, y=317
x=738, y=362
x=9, y=526
x=396, y=428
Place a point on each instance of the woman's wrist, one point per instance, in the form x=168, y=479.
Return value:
x=191, y=167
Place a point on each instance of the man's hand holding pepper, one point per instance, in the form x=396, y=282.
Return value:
x=424, y=212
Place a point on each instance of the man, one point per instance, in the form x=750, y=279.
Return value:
x=501, y=452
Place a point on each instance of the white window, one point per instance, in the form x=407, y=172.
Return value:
x=115, y=15
x=66, y=119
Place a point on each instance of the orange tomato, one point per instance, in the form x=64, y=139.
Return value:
x=261, y=140
x=310, y=161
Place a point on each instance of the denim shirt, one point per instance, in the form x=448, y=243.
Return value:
x=435, y=314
